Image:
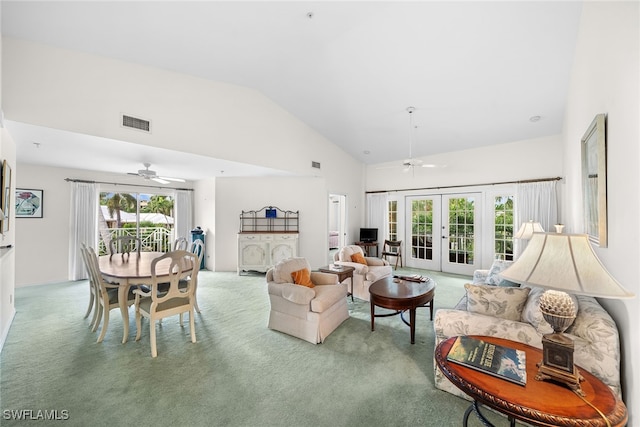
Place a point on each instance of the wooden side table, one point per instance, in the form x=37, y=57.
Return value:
x=539, y=403
x=343, y=272
x=366, y=247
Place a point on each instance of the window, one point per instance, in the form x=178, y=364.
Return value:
x=393, y=220
x=143, y=215
x=503, y=228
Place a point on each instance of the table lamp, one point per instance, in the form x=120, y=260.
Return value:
x=527, y=229
x=562, y=263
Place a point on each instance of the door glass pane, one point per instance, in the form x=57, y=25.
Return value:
x=393, y=220
x=422, y=229
x=461, y=230
x=503, y=228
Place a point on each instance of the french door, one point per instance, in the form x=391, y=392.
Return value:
x=443, y=232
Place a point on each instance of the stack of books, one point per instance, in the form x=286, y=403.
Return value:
x=413, y=278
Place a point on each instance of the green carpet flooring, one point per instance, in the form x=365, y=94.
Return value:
x=239, y=373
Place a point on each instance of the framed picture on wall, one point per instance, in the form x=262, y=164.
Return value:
x=28, y=203
x=594, y=180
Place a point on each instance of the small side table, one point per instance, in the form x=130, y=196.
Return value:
x=366, y=247
x=343, y=272
x=539, y=403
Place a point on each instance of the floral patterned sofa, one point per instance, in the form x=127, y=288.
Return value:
x=491, y=309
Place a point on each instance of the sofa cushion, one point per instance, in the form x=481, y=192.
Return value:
x=495, y=279
x=302, y=277
x=282, y=270
x=503, y=302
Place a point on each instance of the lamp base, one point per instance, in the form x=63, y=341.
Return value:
x=557, y=362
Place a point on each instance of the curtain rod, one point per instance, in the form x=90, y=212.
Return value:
x=525, y=181
x=130, y=185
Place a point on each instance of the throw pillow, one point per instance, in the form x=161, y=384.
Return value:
x=502, y=302
x=358, y=258
x=494, y=278
x=303, y=278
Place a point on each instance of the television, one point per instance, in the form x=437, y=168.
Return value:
x=368, y=234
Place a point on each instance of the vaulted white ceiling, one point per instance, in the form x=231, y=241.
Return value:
x=475, y=71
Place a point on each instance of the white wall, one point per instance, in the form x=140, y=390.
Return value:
x=205, y=216
x=7, y=256
x=47, y=240
x=605, y=79
x=529, y=159
x=309, y=196
x=86, y=93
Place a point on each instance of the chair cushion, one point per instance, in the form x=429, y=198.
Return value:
x=302, y=277
x=495, y=279
x=282, y=270
x=502, y=302
x=356, y=257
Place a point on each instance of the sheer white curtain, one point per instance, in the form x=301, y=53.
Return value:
x=377, y=214
x=535, y=201
x=83, y=225
x=183, y=214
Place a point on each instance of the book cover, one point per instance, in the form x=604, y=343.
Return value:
x=499, y=361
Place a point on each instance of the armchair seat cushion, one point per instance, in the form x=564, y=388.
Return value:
x=327, y=296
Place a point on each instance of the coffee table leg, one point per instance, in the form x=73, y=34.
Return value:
x=372, y=315
x=412, y=320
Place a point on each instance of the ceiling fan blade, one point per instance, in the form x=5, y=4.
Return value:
x=160, y=180
x=171, y=179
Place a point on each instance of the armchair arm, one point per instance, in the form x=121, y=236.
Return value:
x=360, y=268
x=295, y=293
x=320, y=278
x=376, y=261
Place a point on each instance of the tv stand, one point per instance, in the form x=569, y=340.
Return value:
x=366, y=247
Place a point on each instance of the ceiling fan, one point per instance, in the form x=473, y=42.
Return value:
x=149, y=174
x=410, y=163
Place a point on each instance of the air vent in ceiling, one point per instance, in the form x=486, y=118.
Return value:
x=135, y=123
x=315, y=165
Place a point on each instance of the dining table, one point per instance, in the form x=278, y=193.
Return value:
x=133, y=269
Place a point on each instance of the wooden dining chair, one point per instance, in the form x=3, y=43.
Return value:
x=180, y=244
x=93, y=291
x=156, y=304
x=196, y=247
x=125, y=245
x=107, y=293
x=392, y=248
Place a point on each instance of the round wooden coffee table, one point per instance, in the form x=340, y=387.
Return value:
x=401, y=295
x=539, y=403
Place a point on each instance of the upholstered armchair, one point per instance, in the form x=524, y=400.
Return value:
x=308, y=313
x=364, y=274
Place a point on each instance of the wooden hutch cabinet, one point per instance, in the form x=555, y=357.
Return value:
x=266, y=237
